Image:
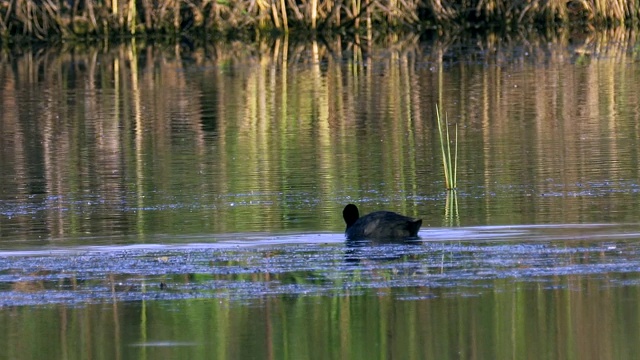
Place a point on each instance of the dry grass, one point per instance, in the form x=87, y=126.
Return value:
x=85, y=18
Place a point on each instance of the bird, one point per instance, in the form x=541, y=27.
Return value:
x=379, y=225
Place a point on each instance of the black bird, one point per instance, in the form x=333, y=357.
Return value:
x=379, y=225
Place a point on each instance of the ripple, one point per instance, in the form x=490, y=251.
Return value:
x=251, y=266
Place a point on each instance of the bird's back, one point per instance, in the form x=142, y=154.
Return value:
x=384, y=225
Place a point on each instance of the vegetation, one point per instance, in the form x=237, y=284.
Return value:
x=450, y=167
x=449, y=164
x=43, y=19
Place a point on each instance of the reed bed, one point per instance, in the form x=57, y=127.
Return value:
x=44, y=19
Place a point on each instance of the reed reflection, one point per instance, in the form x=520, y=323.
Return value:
x=274, y=136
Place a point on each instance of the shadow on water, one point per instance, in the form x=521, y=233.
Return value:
x=251, y=266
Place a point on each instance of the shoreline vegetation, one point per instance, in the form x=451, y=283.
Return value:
x=45, y=20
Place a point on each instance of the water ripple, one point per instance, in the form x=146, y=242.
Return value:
x=252, y=266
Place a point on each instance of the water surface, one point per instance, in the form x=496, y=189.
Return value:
x=491, y=291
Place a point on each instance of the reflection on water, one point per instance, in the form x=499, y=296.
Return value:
x=253, y=266
x=278, y=137
x=486, y=292
x=528, y=322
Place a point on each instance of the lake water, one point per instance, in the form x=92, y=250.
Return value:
x=185, y=202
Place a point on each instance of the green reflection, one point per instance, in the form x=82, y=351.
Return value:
x=506, y=320
x=139, y=140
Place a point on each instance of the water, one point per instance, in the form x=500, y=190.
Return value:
x=313, y=265
x=159, y=203
x=491, y=291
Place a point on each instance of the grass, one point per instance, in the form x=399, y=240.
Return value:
x=450, y=165
x=78, y=19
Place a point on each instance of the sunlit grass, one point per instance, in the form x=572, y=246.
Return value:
x=97, y=19
x=449, y=164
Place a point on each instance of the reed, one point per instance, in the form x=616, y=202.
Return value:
x=45, y=19
x=448, y=163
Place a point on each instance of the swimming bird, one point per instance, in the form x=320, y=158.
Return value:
x=379, y=225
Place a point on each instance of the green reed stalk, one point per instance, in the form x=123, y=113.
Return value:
x=450, y=167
